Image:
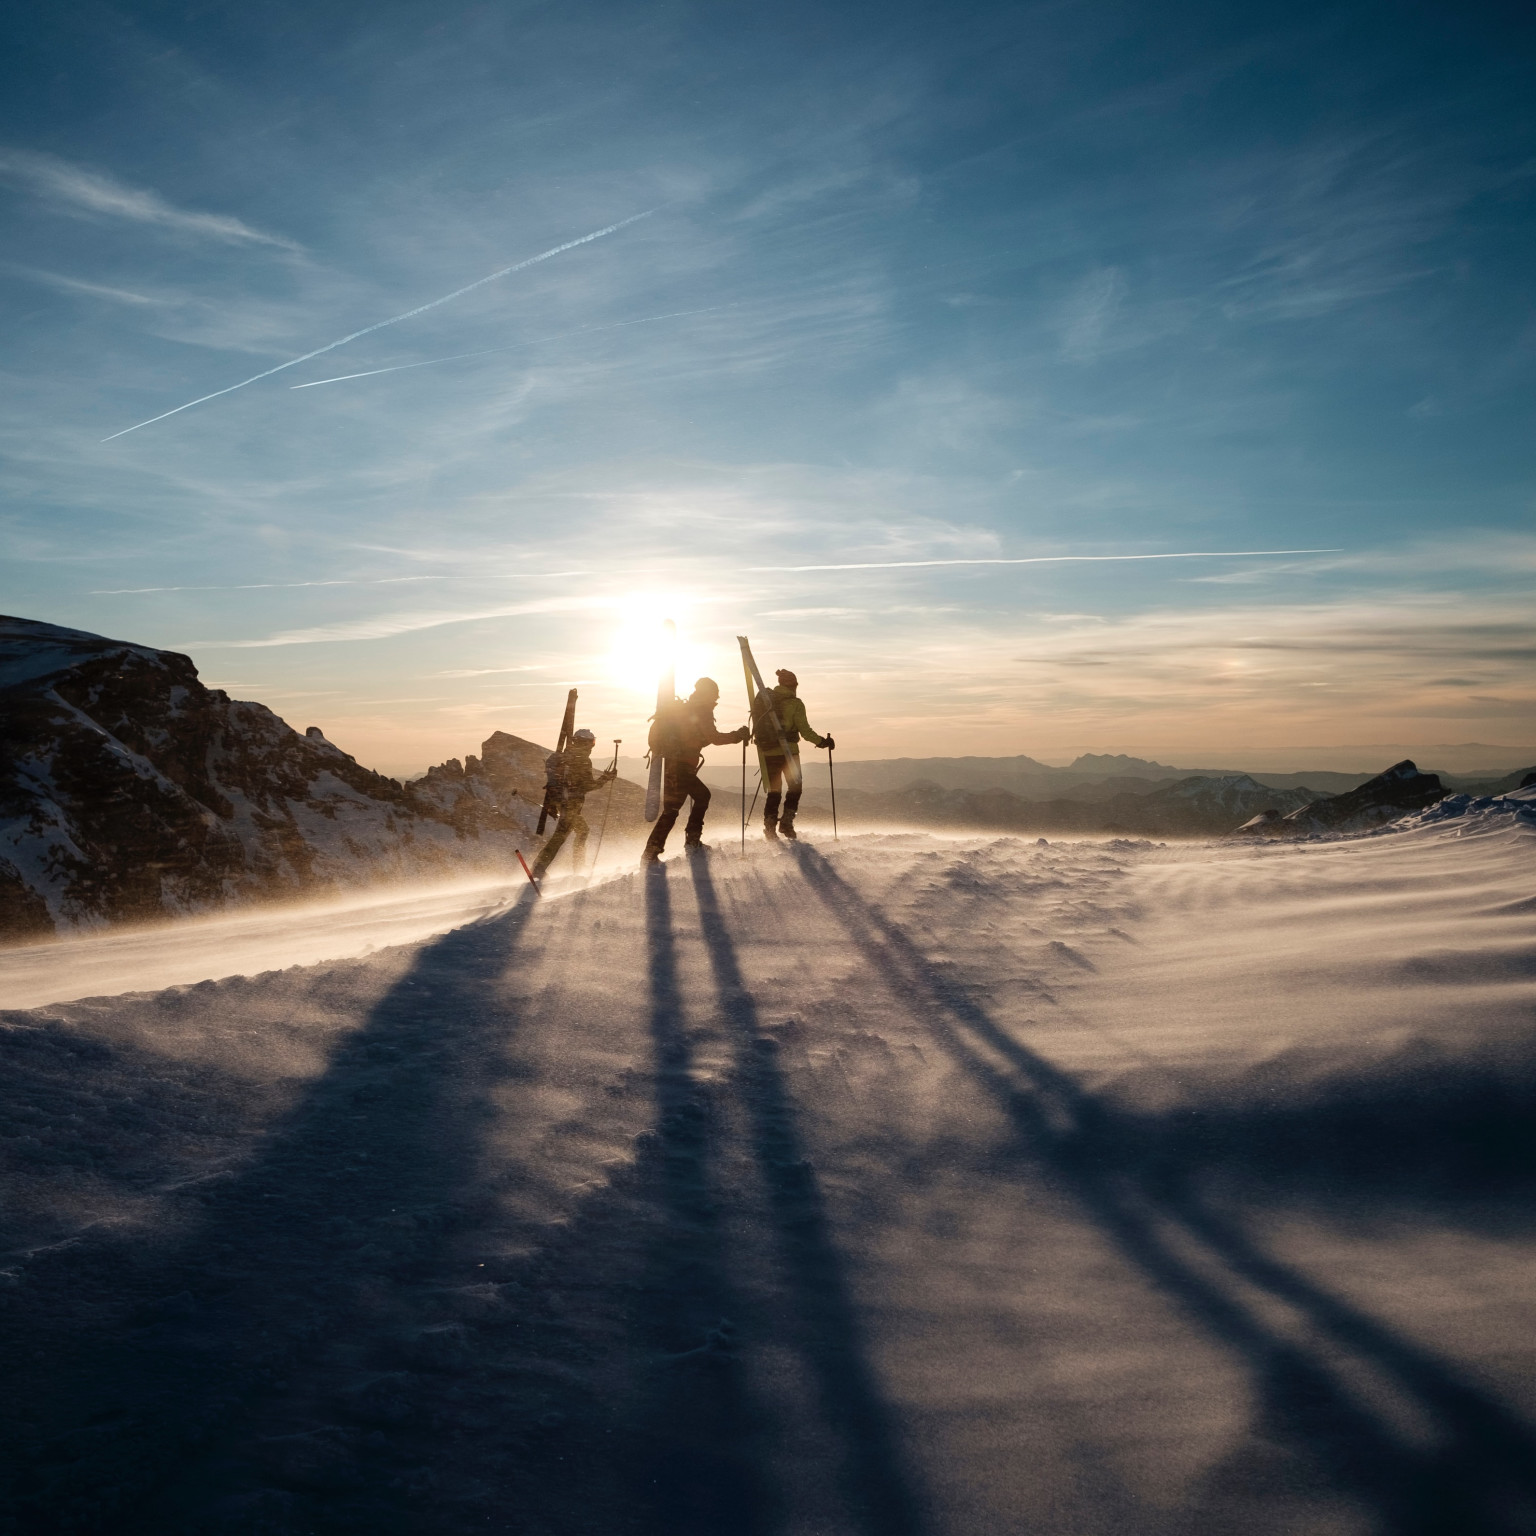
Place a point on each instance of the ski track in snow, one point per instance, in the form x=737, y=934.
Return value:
x=906, y=1187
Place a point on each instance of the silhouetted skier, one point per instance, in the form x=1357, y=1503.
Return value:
x=569, y=779
x=786, y=705
x=681, y=732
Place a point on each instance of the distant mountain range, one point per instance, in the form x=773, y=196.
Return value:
x=1199, y=806
x=131, y=792
x=1090, y=777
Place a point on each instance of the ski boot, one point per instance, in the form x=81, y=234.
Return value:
x=787, y=827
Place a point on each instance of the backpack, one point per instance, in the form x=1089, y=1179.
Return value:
x=554, y=776
x=668, y=727
x=765, y=714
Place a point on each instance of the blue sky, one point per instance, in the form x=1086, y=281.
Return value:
x=915, y=283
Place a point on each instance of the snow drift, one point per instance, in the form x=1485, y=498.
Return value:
x=911, y=1187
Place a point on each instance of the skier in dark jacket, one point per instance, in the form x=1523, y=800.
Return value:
x=570, y=779
x=788, y=709
x=681, y=733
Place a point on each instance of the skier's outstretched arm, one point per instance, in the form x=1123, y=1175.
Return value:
x=809, y=731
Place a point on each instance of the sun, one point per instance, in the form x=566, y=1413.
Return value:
x=643, y=647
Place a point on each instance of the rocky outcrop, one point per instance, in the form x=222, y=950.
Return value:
x=1398, y=792
x=510, y=773
x=131, y=792
x=1390, y=795
x=1265, y=824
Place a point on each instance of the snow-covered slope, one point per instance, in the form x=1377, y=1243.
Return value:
x=908, y=1187
x=1474, y=814
x=129, y=791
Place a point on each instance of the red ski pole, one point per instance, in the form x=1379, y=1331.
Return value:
x=524, y=862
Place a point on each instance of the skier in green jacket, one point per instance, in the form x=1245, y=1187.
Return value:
x=790, y=712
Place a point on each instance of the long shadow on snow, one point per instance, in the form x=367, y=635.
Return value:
x=698, y=1466
x=361, y=1180
x=1480, y=1477
x=880, y=1496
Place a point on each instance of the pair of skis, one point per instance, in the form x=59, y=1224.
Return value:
x=764, y=715
x=547, y=809
x=666, y=695
x=567, y=730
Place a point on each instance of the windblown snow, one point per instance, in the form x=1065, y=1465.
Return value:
x=904, y=1185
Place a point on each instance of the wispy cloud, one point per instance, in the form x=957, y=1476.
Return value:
x=261, y=586
x=79, y=190
x=379, y=325
x=62, y=284
x=897, y=565
x=1087, y=319
x=383, y=626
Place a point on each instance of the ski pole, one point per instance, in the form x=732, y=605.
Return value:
x=744, y=800
x=607, y=806
x=832, y=781
x=755, y=793
x=531, y=881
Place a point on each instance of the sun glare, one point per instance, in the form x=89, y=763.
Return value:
x=642, y=647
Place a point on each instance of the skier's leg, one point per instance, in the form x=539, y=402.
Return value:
x=693, y=833
x=672, y=798
x=775, y=782
x=579, y=831
x=787, y=820
x=552, y=847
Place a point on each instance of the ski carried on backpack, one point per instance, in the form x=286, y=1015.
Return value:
x=567, y=726
x=666, y=694
x=765, y=722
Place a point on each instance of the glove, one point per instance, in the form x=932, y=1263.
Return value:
x=608, y=775
x=828, y=743
x=744, y=733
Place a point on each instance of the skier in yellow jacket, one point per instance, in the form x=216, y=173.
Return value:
x=794, y=727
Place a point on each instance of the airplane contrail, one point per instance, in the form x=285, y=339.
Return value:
x=587, y=330
x=1188, y=554
x=379, y=325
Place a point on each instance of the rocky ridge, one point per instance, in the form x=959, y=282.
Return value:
x=1398, y=792
x=129, y=792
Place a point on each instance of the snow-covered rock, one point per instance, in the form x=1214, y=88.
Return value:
x=1398, y=792
x=1481, y=812
x=1265, y=824
x=1390, y=796
x=129, y=792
